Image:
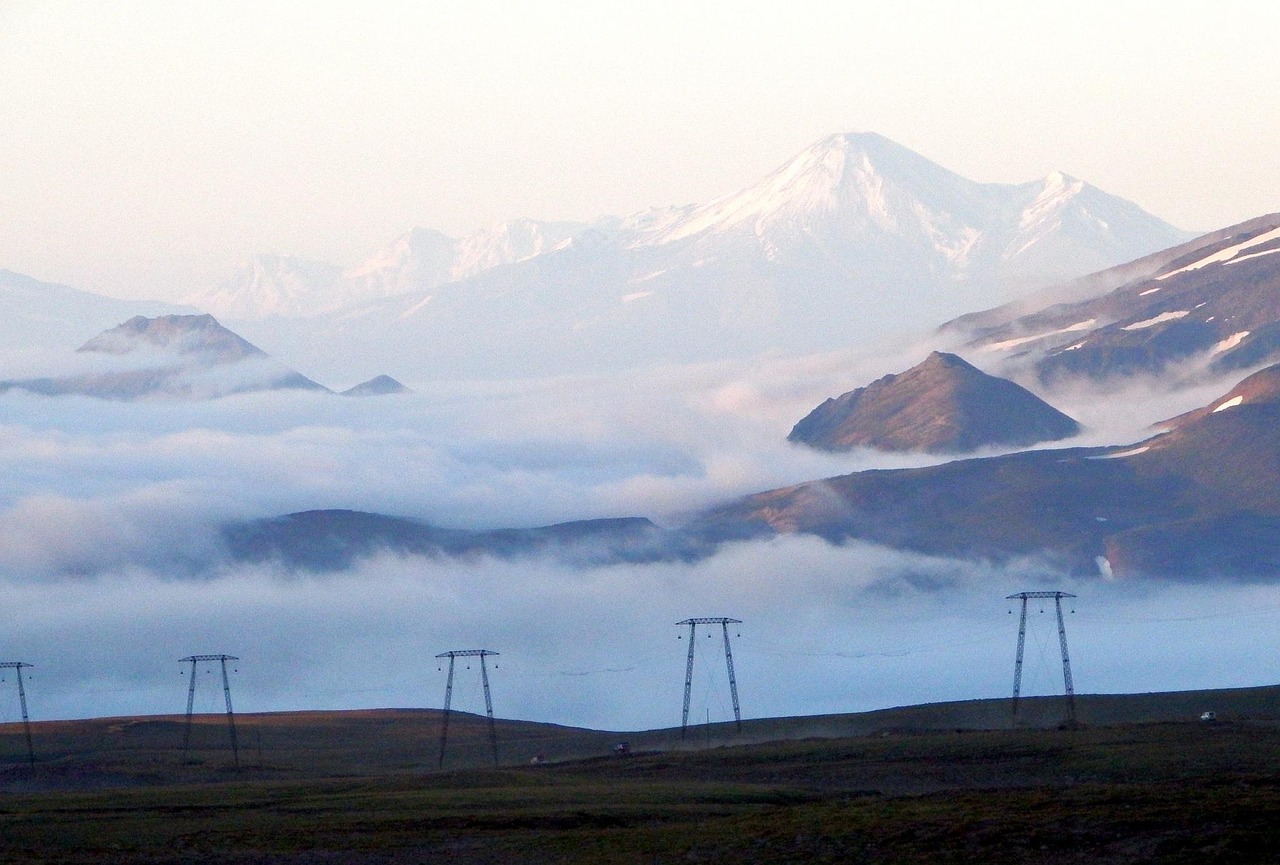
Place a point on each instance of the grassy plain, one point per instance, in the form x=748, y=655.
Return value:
x=919, y=784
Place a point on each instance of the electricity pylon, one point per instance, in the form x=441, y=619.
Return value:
x=1069, y=687
x=17, y=667
x=448, y=697
x=728, y=659
x=191, y=698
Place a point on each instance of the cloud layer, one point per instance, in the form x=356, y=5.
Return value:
x=108, y=516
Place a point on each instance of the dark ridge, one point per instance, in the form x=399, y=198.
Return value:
x=333, y=540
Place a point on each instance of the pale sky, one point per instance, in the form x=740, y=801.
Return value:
x=147, y=147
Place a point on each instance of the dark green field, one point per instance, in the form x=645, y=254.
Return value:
x=1141, y=781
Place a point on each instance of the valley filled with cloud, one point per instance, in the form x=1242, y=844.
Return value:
x=109, y=542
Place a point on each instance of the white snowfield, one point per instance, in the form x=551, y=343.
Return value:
x=1132, y=452
x=1005, y=345
x=1252, y=255
x=1231, y=254
x=1159, y=319
x=1230, y=342
x=1231, y=403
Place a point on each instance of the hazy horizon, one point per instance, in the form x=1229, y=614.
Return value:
x=153, y=146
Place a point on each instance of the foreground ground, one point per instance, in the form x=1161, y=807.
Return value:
x=1173, y=790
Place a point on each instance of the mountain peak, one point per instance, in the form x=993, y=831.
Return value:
x=379, y=385
x=170, y=357
x=269, y=284
x=869, y=146
x=844, y=185
x=175, y=334
x=944, y=360
x=941, y=405
x=1060, y=178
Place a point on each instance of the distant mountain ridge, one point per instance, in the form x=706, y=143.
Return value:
x=853, y=239
x=269, y=285
x=941, y=405
x=169, y=357
x=330, y=540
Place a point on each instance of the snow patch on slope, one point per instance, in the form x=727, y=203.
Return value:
x=1005, y=345
x=1158, y=319
x=1228, y=254
x=1230, y=342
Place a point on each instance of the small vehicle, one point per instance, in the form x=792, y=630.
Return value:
x=1208, y=717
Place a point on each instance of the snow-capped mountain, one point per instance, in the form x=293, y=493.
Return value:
x=268, y=285
x=419, y=259
x=855, y=238
x=508, y=242
x=863, y=201
x=274, y=286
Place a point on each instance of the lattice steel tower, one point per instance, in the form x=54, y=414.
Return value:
x=17, y=667
x=1062, y=642
x=191, y=699
x=728, y=659
x=448, y=697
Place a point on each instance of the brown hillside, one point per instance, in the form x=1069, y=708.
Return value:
x=942, y=405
